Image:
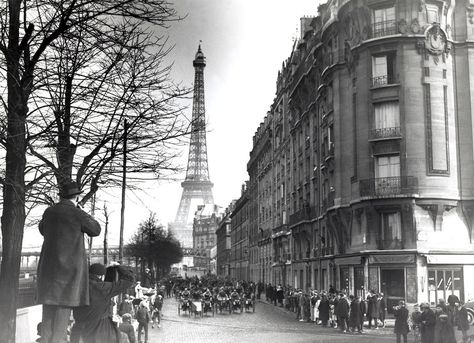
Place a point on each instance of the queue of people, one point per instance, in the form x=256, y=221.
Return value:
x=354, y=313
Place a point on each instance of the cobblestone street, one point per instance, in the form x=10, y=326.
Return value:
x=267, y=324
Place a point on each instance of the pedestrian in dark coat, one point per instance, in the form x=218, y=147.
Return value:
x=401, y=322
x=126, y=306
x=342, y=312
x=363, y=310
x=461, y=319
x=127, y=328
x=444, y=331
x=143, y=318
x=381, y=308
x=93, y=322
x=428, y=321
x=324, y=310
x=63, y=279
x=372, y=313
x=356, y=314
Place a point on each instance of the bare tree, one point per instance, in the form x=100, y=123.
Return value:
x=48, y=136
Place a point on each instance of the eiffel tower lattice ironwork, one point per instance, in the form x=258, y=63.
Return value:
x=197, y=187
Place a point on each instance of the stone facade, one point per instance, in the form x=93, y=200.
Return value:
x=224, y=243
x=205, y=224
x=361, y=172
x=239, y=251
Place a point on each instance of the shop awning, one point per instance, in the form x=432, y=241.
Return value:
x=402, y=259
x=348, y=260
x=450, y=259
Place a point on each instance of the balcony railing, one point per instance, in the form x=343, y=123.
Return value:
x=386, y=132
x=327, y=251
x=306, y=213
x=384, y=244
x=384, y=28
x=383, y=80
x=386, y=186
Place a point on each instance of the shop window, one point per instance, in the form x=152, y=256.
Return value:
x=444, y=282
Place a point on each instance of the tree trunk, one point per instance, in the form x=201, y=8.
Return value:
x=13, y=216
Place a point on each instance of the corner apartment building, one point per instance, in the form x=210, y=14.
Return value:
x=370, y=184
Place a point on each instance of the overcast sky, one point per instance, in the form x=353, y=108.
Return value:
x=245, y=43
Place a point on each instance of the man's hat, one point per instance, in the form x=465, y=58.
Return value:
x=97, y=269
x=70, y=189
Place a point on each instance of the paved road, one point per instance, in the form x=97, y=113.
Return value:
x=267, y=324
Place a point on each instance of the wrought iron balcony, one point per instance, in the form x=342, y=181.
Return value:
x=386, y=186
x=385, y=244
x=327, y=251
x=383, y=80
x=384, y=28
x=307, y=213
x=385, y=133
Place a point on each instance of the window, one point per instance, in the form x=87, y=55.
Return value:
x=387, y=115
x=383, y=22
x=387, y=175
x=391, y=230
x=383, y=69
x=386, y=120
x=387, y=166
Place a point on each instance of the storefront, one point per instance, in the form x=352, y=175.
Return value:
x=449, y=275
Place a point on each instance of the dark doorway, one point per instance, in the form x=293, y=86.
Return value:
x=393, y=286
x=359, y=282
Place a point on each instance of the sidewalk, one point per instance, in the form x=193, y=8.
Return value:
x=387, y=330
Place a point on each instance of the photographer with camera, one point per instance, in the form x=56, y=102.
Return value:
x=93, y=322
x=401, y=321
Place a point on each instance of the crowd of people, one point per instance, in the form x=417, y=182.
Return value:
x=353, y=313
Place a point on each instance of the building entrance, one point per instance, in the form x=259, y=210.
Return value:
x=359, y=282
x=392, y=286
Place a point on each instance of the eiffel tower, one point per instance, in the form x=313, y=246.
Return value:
x=197, y=187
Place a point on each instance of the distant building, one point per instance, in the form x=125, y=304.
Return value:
x=224, y=242
x=204, y=233
x=239, y=249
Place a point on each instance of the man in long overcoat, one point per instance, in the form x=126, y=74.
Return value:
x=342, y=312
x=93, y=323
x=62, y=269
x=356, y=315
x=428, y=321
x=401, y=322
